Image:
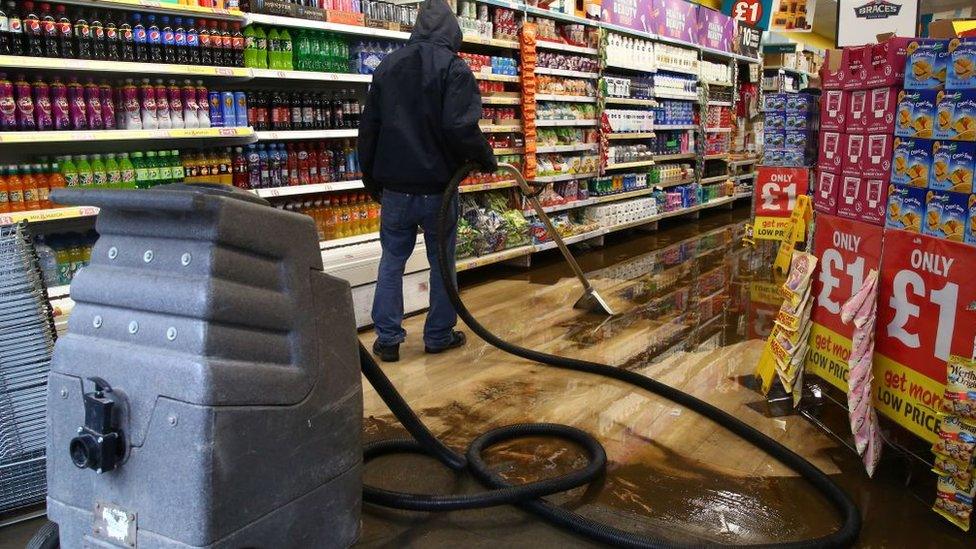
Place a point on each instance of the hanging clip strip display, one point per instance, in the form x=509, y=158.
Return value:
x=527, y=38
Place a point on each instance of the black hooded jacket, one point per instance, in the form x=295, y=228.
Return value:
x=420, y=123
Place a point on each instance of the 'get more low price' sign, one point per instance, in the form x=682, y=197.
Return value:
x=926, y=312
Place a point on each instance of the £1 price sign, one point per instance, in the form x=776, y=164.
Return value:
x=926, y=311
x=754, y=13
x=776, y=191
x=848, y=251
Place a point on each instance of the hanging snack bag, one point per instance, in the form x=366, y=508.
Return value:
x=960, y=392
x=953, y=502
x=802, y=265
x=957, y=439
x=961, y=471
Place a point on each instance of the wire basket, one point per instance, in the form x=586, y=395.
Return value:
x=26, y=340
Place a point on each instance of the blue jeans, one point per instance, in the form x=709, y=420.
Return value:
x=399, y=219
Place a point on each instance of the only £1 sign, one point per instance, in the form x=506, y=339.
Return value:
x=754, y=13
x=777, y=189
x=926, y=311
x=848, y=251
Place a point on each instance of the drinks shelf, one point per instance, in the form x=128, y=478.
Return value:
x=124, y=135
x=276, y=74
x=630, y=66
x=569, y=73
x=295, y=22
x=53, y=214
x=294, y=190
x=565, y=98
x=166, y=8
x=128, y=68
x=678, y=69
x=678, y=156
x=348, y=241
x=496, y=42
x=287, y=135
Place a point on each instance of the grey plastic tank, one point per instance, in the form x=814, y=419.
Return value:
x=207, y=393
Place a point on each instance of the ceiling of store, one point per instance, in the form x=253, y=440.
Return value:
x=825, y=16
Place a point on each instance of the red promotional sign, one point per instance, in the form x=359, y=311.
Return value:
x=848, y=251
x=928, y=305
x=926, y=311
x=776, y=191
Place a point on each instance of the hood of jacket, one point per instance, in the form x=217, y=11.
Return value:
x=436, y=23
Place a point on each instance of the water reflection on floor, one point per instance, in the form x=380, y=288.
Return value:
x=691, y=312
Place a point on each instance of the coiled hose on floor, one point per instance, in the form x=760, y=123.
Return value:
x=529, y=496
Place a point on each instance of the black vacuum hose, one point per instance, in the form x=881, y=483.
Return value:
x=529, y=496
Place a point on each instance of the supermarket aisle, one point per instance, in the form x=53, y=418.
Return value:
x=683, y=294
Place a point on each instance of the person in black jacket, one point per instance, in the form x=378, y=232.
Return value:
x=419, y=125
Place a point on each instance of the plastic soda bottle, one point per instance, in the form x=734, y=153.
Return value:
x=113, y=172
x=99, y=175
x=176, y=166
x=55, y=179
x=152, y=168
x=165, y=168
x=86, y=177
x=285, y=49
x=127, y=172
x=274, y=57
x=31, y=199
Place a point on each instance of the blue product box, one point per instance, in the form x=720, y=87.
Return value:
x=800, y=102
x=955, y=115
x=775, y=101
x=971, y=226
x=952, y=166
x=946, y=214
x=773, y=156
x=906, y=207
x=797, y=158
x=798, y=121
x=775, y=120
x=915, y=113
x=799, y=140
x=961, y=72
x=911, y=162
x=775, y=139
x=926, y=65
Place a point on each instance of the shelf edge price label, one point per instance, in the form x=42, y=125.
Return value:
x=848, y=251
x=926, y=311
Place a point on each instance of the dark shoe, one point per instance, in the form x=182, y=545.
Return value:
x=457, y=339
x=387, y=353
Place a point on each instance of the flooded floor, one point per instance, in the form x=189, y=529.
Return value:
x=686, y=316
x=690, y=316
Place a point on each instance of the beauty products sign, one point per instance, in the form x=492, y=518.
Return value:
x=631, y=14
x=715, y=29
x=676, y=19
x=861, y=21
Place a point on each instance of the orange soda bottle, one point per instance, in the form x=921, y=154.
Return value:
x=16, y=193
x=4, y=192
x=32, y=199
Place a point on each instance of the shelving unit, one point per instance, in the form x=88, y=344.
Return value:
x=565, y=98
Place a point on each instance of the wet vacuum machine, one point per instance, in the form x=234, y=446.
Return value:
x=207, y=392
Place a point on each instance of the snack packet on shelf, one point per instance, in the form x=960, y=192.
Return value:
x=961, y=471
x=960, y=392
x=953, y=502
x=957, y=439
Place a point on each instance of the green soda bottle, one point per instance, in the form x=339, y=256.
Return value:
x=261, y=48
x=273, y=56
x=165, y=169
x=86, y=178
x=141, y=170
x=99, y=176
x=62, y=254
x=152, y=165
x=127, y=172
x=113, y=171
x=285, y=47
x=176, y=166
x=250, y=47
x=69, y=171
